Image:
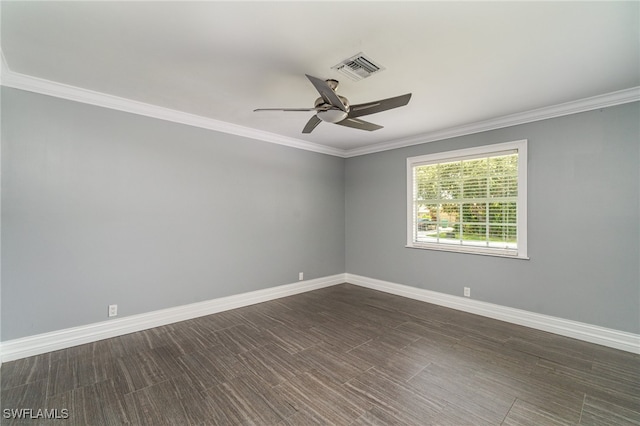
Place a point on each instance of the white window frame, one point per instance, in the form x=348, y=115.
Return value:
x=462, y=154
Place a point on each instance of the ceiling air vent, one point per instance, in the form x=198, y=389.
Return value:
x=358, y=67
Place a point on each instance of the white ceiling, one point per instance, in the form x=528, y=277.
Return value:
x=464, y=62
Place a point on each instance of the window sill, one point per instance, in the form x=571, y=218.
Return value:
x=467, y=250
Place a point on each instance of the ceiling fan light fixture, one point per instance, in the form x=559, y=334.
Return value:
x=332, y=115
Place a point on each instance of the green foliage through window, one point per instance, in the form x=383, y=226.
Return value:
x=468, y=201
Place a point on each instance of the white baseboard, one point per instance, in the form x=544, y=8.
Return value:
x=589, y=333
x=62, y=339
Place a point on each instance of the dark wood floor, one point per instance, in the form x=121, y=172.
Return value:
x=343, y=355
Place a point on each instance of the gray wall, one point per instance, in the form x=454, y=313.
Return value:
x=583, y=222
x=103, y=207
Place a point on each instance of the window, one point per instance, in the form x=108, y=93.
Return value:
x=472, y=200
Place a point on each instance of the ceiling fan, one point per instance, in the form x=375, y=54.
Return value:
x=333, y=108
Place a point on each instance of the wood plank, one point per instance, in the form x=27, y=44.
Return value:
x=525, y=414
x=460, y=390
x=599, y=412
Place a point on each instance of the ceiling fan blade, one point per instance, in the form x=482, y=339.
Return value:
x=311, y=124
x=356, y=123
x=285, y=109
x=326, y=92
x=378, y=106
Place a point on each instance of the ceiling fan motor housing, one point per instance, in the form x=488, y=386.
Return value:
x=330, y=113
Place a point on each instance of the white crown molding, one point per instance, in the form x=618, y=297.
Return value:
x=61, y=339
x=582, y=105
x=15, y=80
x=589, y=333
x=64, y=91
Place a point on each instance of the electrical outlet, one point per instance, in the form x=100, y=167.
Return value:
x=113, y=310
x=300, y=276
x=467, y=292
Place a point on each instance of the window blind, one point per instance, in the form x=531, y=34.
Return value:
x=468, y=202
